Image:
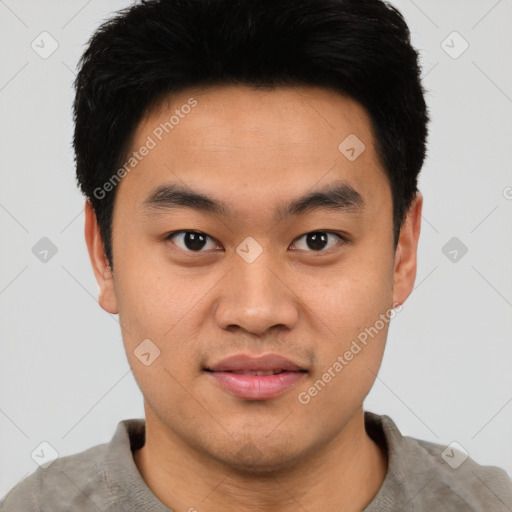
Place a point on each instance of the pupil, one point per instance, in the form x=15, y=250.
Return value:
x=317, y=240
x=194, y=240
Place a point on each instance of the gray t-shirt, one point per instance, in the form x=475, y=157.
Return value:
x=420, y=478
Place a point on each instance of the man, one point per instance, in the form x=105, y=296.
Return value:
x=252, y=215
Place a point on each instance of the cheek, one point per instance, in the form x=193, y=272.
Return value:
x=353, y=312
x=346, y=371
x=354, y=294
x=151, y=296
x=166, y=308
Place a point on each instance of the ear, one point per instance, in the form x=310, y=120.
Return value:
x=100, y=265
x=406, y=252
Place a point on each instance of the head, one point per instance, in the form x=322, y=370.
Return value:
x=251, y=174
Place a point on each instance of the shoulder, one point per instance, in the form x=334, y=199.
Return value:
x=90, y=480
x=424, y=476
x=57, y=486
x=480, y=487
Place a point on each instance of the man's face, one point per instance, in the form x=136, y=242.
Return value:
x=301, y=286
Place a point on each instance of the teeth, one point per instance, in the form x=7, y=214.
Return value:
x=259, y=372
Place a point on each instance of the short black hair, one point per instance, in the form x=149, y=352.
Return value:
x=360, y=48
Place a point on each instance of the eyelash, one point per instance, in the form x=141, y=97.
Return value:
x=342, y=239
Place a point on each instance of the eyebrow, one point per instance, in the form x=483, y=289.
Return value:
x=337, y=196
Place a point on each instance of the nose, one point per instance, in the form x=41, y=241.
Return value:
x=255, y=297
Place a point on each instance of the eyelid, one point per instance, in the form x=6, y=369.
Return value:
x=343, y=239
x=174, y=233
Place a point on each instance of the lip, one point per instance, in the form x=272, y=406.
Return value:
x=256, y=387
x=245, y=362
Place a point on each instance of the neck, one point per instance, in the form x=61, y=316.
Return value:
x=342, y=476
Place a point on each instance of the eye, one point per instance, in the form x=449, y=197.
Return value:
x=191, y=241
x=318, y=240
x=194, y=241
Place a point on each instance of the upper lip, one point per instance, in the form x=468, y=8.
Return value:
x=245, y=362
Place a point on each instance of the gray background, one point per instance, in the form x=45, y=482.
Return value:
x=64, y=377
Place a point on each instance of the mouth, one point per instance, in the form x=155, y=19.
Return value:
x=256, y=378
x=255, y=372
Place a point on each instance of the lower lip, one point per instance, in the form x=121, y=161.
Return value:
x=256, y=387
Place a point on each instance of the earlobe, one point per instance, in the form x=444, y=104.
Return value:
x=100, y=264
x=406, y=252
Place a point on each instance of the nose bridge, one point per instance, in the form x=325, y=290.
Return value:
x=255, y=298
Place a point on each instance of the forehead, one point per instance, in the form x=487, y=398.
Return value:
x=250, y=145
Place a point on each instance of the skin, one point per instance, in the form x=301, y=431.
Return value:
x=253, y=150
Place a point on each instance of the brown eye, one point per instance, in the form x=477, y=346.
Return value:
x=191, y=241
x=317, y=241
